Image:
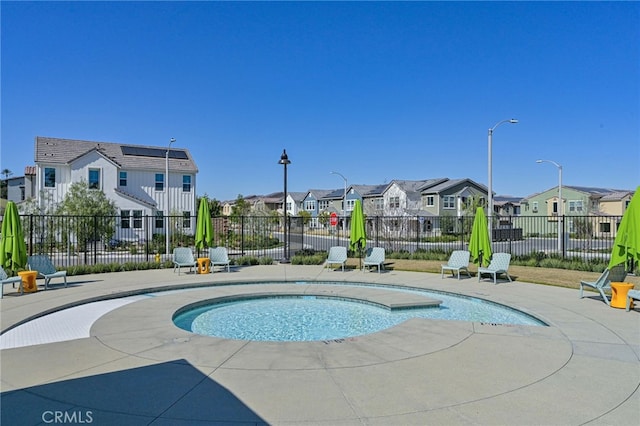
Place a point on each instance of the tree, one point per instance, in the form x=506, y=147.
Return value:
x=91, y=215
x=6, y=173
x=215, y=208
x=4, y=184
x=240, y=208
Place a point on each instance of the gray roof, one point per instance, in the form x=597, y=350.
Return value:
x=65, y=151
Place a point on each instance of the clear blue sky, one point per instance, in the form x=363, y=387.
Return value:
x=373, y=90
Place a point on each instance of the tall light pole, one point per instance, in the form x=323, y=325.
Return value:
x=560, y=203
x=284, y=160
x=166, y=186
x=344, y=202
x=490, y=205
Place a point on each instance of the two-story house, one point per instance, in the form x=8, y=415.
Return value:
x=134, y=177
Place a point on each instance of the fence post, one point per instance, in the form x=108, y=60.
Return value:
x=562, y=253
x=31, y=234
x=95, y=239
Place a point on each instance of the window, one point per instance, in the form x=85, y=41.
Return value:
x=394, y=202
x=534, y=207
x=49, y=177
x=575, y=206
x=125, y=221
x=123, y=178
x=310, y=205
x=186, y=183
x=449, y=202
x=94, y=178
x=323, y=205
x=159, y=182
x=378, y=204
x=159, y=219
x=350, y=204
x=555, y=207
x=430, y=200
x=137, y=219
x=605, y=227
x=186, y=219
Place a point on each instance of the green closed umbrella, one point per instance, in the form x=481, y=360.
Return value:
x=480, y=244
x=13, y=250
x=357, y=233
x=204, y=231
x=627, y=243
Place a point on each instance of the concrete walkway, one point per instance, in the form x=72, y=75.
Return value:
x=122, y=361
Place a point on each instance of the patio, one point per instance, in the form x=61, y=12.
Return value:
x=134, y=367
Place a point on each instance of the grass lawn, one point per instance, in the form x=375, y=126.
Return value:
x=549, y=276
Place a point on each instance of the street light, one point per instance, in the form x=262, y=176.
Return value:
x=344, y=202
x=284, y=160
x=166, y=185
x=560, y=203
x=490, y=209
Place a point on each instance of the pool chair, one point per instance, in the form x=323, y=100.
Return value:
x=374, y=257
x=220, y=257
x=42, y=263
x=458, y=261
x=337, y=256
x=632, y=295
x=5, y=279
x=615, y=274
x=499, y=265
x=183, y=256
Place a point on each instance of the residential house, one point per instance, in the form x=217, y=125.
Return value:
x=294, y=202
x=132, y=176
x=21, y=188
x=590, y=212
x=315, y=202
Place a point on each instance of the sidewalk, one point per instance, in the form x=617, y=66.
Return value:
x=124, y=362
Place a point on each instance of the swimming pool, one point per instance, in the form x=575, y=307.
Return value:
x=312, y=318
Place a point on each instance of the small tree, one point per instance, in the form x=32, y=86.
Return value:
x=92, y=214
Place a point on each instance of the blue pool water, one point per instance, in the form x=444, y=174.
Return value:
x=311, y=318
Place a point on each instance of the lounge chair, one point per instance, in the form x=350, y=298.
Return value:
x=615, y=274
x=374, y=257
x=458, y=261
x=42, y=263
x=337, y=255
x=5, y=279
x=183, y=256
x=632, y=295
x=499, y=265
x=220, y=257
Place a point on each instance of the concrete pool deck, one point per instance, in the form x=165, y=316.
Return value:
x=127, y=364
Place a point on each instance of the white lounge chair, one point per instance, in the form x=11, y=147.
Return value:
x=337, y=255
x=42, y=263
x=632, y=295
x=458, y=261
x=615, y=274
x=5, y=279
x=499, y=265
x=183, y=256
x=375, y=257
x=219, y=256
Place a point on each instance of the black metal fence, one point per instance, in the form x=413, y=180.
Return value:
x=78, y=240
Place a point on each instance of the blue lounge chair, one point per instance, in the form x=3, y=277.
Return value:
x=458, y=261
x=337, y=255
x=42, y=263
x=183, y=256
x=375, y=257
x=499, y=265
x=615, y=274
x=219, y=256
x=632, y=295
x=5, y=279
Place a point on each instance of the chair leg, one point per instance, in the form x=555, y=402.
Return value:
x=628, y=307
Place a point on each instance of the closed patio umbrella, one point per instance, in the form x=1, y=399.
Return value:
x=480, y=245
x=13, y=250
x=204, y=231
x=357, y=233
x=627, y=243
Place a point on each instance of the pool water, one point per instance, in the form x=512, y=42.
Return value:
x=311, y=318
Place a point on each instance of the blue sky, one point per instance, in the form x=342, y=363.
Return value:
x=373, y=90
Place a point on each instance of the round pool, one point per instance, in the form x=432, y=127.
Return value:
x=314, y=318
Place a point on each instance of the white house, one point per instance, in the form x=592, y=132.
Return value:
x=132, y=176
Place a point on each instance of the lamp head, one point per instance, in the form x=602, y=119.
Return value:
x=513, y=121
x=172, y=140
x=538, y=161
x=284, y=158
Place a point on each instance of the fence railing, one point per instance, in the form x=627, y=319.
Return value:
x=77, y=240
